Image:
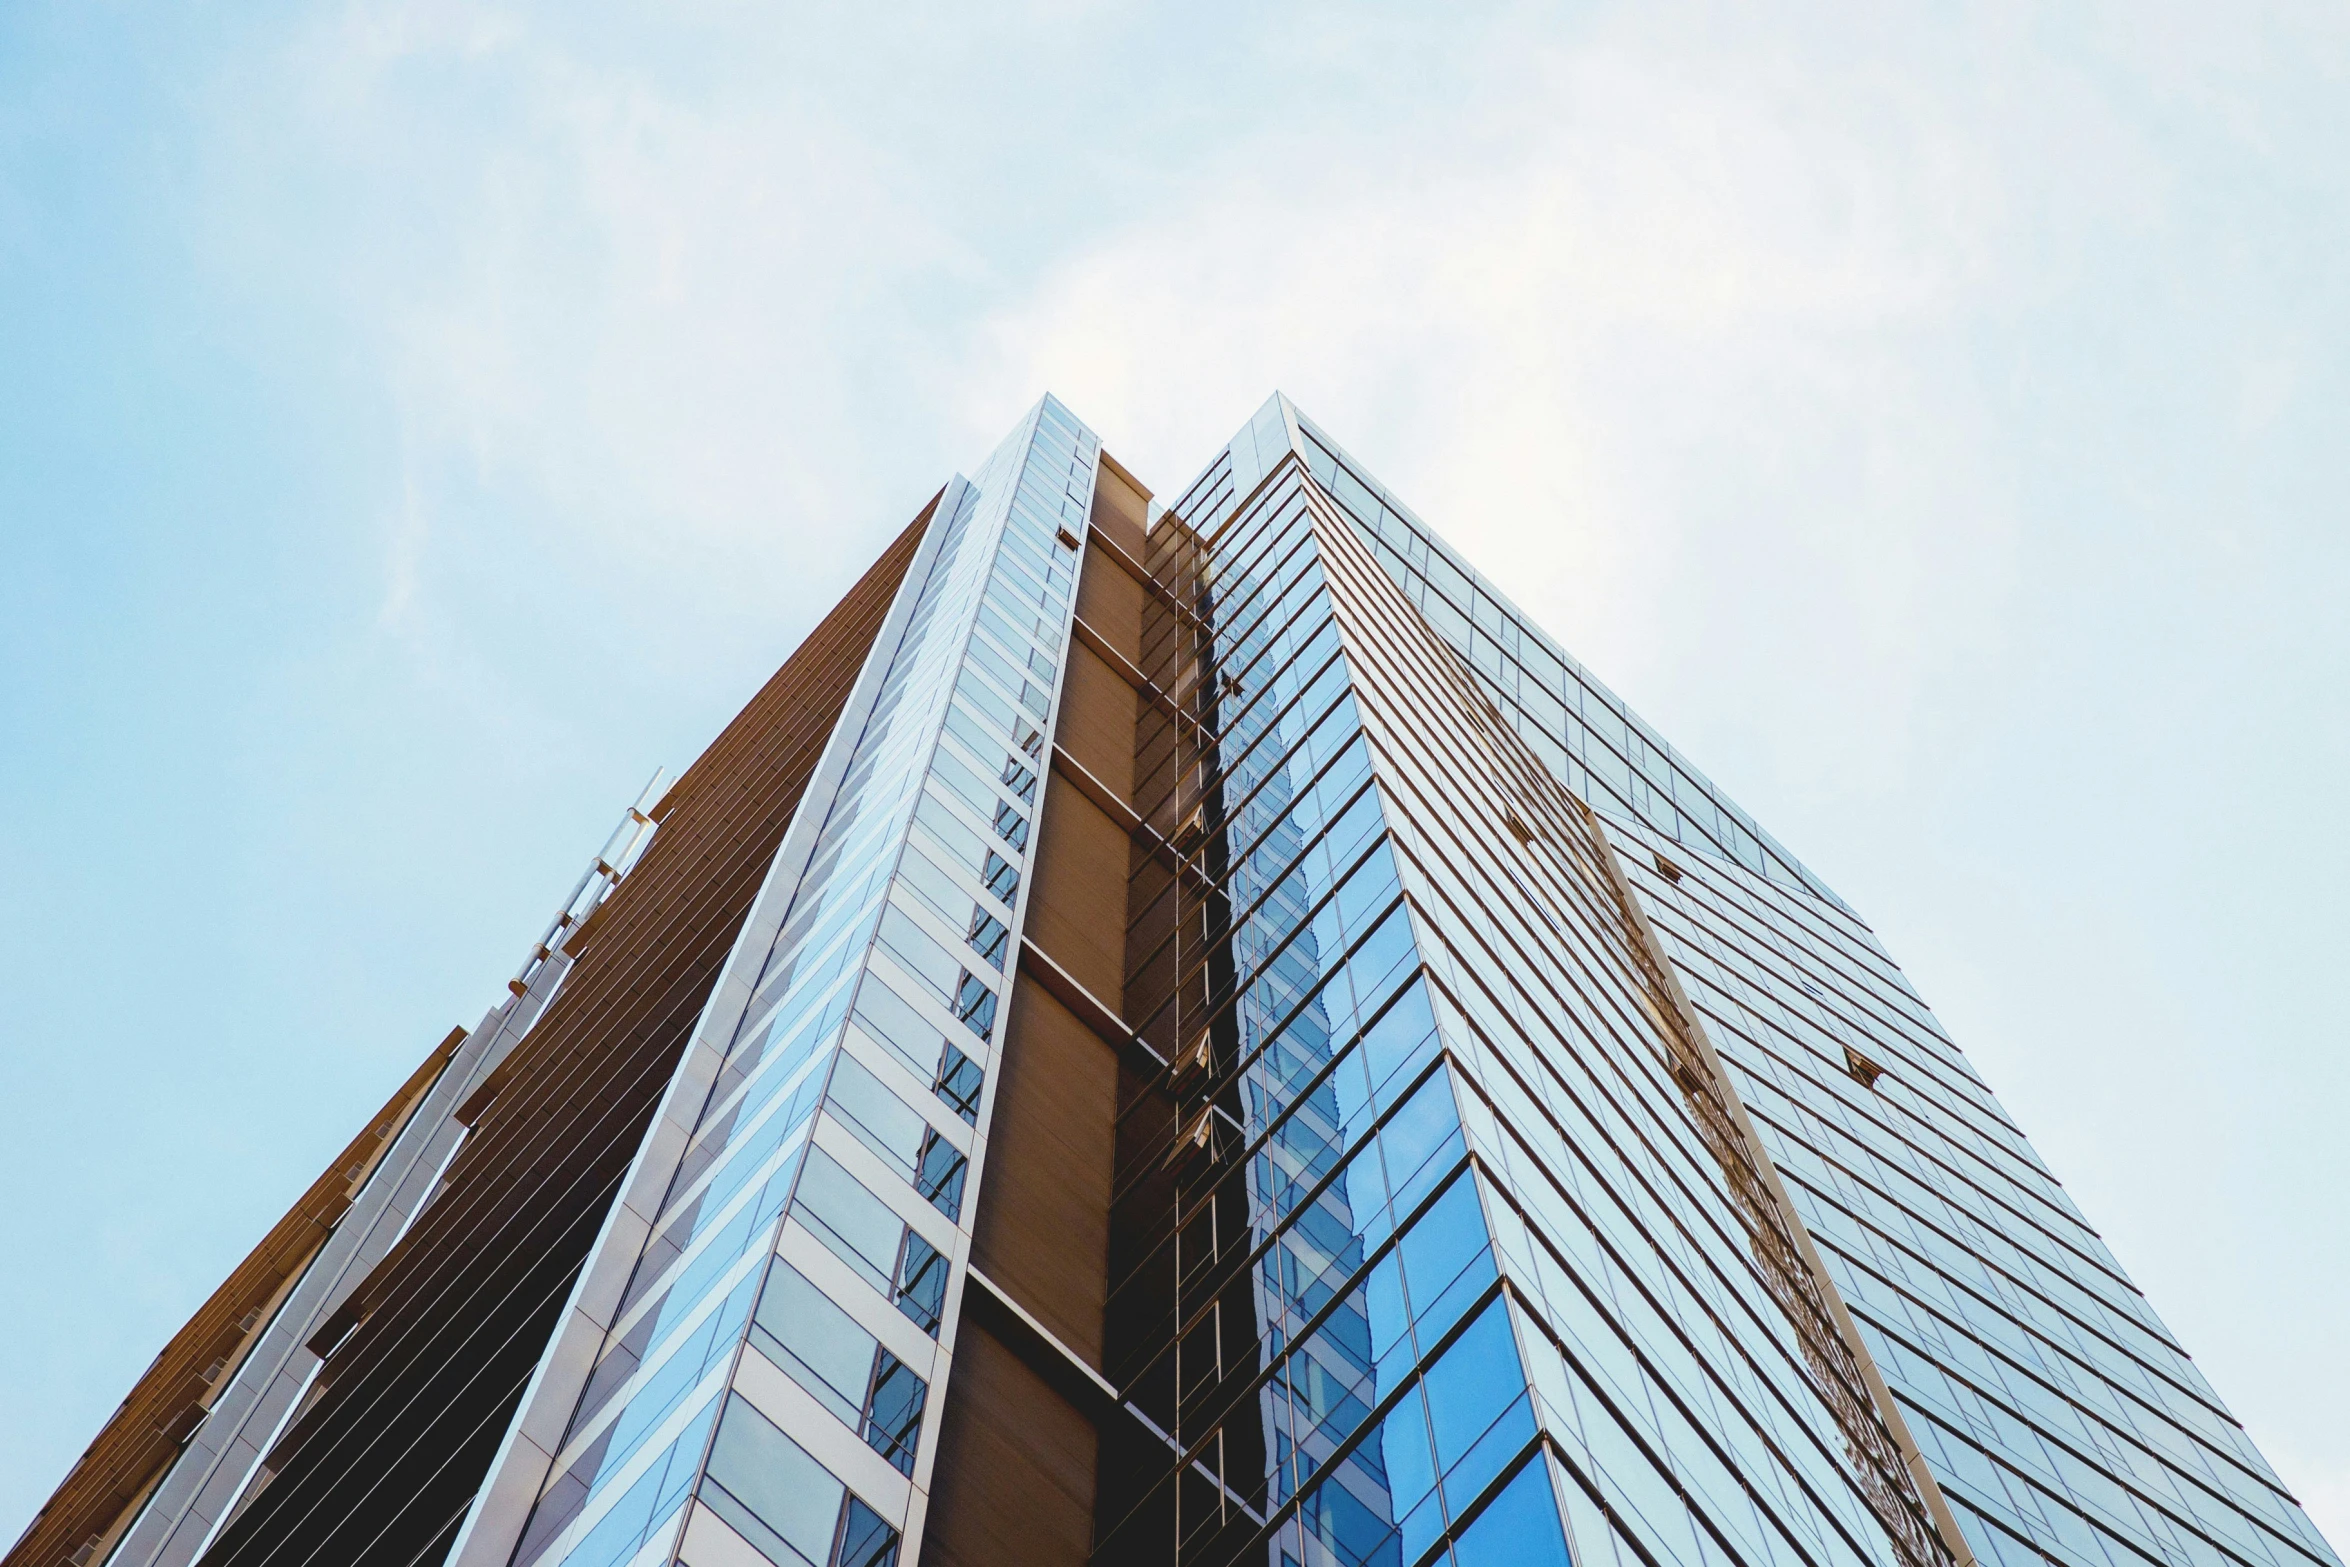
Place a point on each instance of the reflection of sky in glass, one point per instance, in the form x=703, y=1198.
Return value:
x=2059, y=1416
x=1396, y=1394
x=1328, y=1385
x=1400, y=1399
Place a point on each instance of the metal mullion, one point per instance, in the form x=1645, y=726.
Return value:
x=2127, y=1481
x=1187, y=972
x=1600, y=1002
x=1175, y=882
x=1237, y=622
x=1678, y=1174
x=1210, y=542
x=1877, y=1105
x=1406, y=733
x=1265, y=556
x=1825, y=1081
x=1372, y=1258
x=1712, y=1374
x=1958, y=1177
x=1223, y=770
x=1213, y=1012
x=1687, y=1173
x=1256, y=1252
x=2022, y=1285
x=1730, y=1246
x=1768, y=954
x=1337, y=1058
x=1970, y=1091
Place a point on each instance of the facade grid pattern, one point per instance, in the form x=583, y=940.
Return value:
x=1249, y=1018
x=2059, y=1416
x=1487, y=1145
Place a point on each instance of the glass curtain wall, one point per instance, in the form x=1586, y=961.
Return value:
x=1270, y=960
x=2061, y=1420
x=775, y=1350
x=1396, y=1033
x=1595, y=744
x=2064, y=1421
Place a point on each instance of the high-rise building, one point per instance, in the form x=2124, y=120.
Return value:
x=1184, y=1033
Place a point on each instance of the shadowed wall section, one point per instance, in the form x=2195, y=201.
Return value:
x=436, y=1347
x=1019, y=1438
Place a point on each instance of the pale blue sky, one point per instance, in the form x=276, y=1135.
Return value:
x=419, y=420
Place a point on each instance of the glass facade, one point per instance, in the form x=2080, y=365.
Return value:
x=1421, y=1220
x=1433, y=1126
x=2058, y=1418
x=1520, y=1157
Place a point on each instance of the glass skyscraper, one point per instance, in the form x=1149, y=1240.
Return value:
x=1184, y=1031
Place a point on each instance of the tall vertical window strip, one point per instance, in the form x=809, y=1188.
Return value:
x=1303, y=1296
x=874, y=1011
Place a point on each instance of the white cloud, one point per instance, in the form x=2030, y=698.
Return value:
x=638, y=309
x=1648, y=328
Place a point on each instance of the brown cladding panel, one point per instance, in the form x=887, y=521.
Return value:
x=452, y=1323
x=1110, y=601
x=1015, y=1466
x=1096, y=725
x=1078, y=910
x=1016, y=1461
x=1042, y=1231
x=1121, y=507
x=1096, y=721
x=1042, y=1228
